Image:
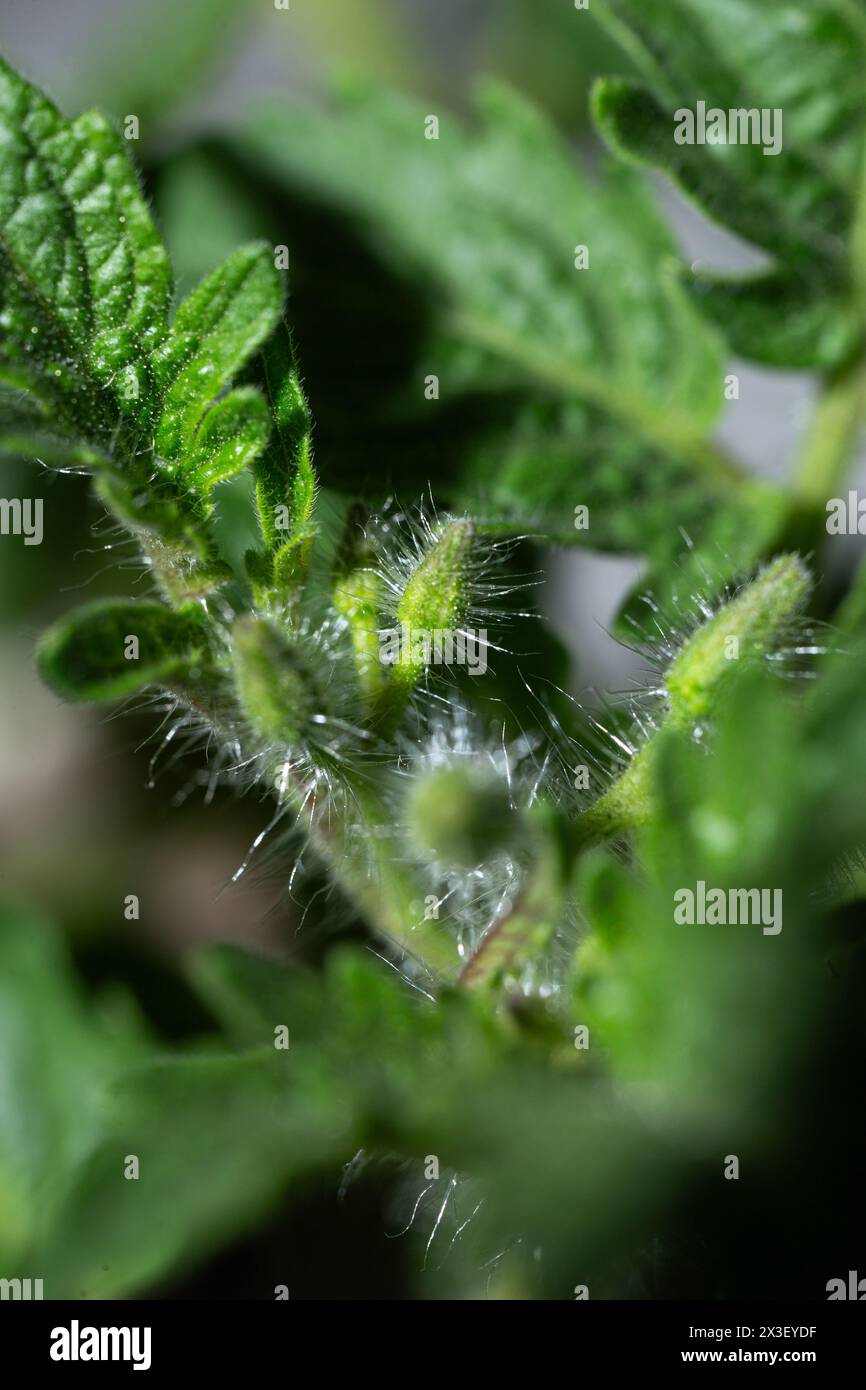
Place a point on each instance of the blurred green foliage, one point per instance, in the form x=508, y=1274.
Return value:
x=701, y=1042
x=799, y=204
x=455, y=257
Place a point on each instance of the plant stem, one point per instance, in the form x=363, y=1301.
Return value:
x=373, y=877
x=831, y=439
x=624, y=806
x=857, y=242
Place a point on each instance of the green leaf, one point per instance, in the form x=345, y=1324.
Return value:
x=665, y=999
x=774, y=807
x=448, y=1080
x=57, y=1058
x=285, y=481
x=86, y=655
x=220, y=1136
x=802, y=58
x=232, y=435
x=214, y=1150
x=217, y=1135
x=216, y=330
x=780, y=320
x=247, y=993
x=98, y=374
x=85, y=279
x=557, y=386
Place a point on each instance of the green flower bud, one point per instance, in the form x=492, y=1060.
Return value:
x=358, y=598
x=460, y=816
x=743, y=630
x=436, y=596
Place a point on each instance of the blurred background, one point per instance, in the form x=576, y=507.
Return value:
x=86, y=816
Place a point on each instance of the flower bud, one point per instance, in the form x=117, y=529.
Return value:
x=460, y=816
x=436, y=596
x=742, y=631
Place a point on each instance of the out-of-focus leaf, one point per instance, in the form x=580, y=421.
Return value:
x=445, y=1079
x=387, y=43
x=219, y=1136
x=724, y=822
x=557, y=386
x=550, y=50
x=216, y=1146
x=213, y=1136
x=57, y=1058
x=800, y=61
x=27, y=430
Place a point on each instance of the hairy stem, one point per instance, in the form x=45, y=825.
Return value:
x=371, y=873
x=526, y=928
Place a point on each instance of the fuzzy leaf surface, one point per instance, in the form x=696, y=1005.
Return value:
x=94, y=370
